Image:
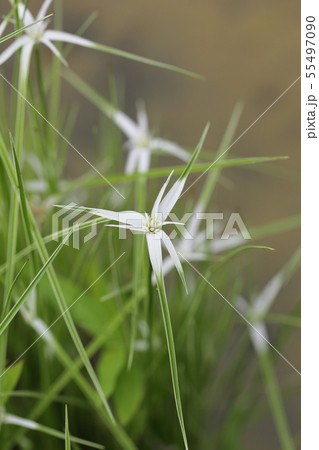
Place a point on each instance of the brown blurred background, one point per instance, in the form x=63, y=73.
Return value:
x=248, y=51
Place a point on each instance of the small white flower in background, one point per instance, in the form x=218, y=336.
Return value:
x=3, y=25
x=262, y=303
x=141, y=143
x=199, y=248
x=38, y=33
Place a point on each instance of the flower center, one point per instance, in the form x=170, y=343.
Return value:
x=35, y=32
x=152, y=224
x=142, y=141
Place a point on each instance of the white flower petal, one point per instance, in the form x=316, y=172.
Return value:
x=43, y=10
x=169, y=222
x=265, y=299
x=144, y=161
x=242, y=304
x=3, y=26
x=24, y=15
x=155, y=253
x=9, y=51
x=62, y=36
x=173, y=254
x=169, y=147
x=259, y=336
x=160, y=195
x=132, y=161
x=25, y=60
x=126, y=124
x=142, y=119
x=126, y=227
x=132, y=218
x=53, y=49
x=168, y=202
x=20, y=421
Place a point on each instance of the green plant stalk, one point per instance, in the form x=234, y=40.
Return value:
x=171, y=354
x=92, y=180
x=65, y=360
x=67, y=432
x=66, y=314
x=73, y=368
x=43, y=106
x=20, y=30
x=275, y=401
x=214, y=171
x=21, y=422
x=96, y=344
x=14, y=207
x=48, y=161
x=85, y=387
x=137, y=269
x=15, y=309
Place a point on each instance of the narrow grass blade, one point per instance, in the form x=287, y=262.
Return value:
x=144, y=60
x=91, y=180
x=21, y=190
x=172, y=355
x=73, y=371
x=213, y=175
x=15, y=309
x=20, y=30
x=67, y=433
x=283, y=319
x=236, y=252
x=11, y=419
x=90, y=93
x=278, y=226
x=275, y=401
x=7, y=299
x=138, y=275
x=67, y=316
x=75, y=366
x=191, y=162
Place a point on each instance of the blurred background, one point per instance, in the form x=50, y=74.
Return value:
x=248, y=51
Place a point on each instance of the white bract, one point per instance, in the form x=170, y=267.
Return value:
x=3, y=25
x=257, y=309
x=38, y=33
x=141, y=143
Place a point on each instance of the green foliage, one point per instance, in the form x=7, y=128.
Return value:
x=109, y=367
x=10, y=380
x=129, y=394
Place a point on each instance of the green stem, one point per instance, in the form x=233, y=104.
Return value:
x=14, y=209
x=138, y=267
x=171, y=354
x=275, y=400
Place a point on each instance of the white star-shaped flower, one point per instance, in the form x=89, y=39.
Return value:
x=152, y=224
x=141, y=143
x=38, y=33
x=262, y=303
